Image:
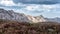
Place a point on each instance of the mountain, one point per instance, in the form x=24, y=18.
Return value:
x=20, y=17
x=11, y=15
x=40, y=18
x=57, y=19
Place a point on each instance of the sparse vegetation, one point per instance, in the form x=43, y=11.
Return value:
x=14, y=27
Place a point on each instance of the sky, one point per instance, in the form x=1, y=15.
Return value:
x=47, y=8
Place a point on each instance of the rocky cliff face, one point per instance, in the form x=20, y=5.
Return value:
x=40, y=18
x=36, y=19
x=11, y=15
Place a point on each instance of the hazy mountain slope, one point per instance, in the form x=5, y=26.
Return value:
x=11, y=15
x=53, y=19
x=20, y=17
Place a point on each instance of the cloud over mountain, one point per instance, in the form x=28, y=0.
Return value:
x=48, y=8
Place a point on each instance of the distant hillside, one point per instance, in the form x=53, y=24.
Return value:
x=14, y=27
x=57, y=19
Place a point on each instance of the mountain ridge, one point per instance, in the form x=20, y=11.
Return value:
x=11, y=15
x=21, y=17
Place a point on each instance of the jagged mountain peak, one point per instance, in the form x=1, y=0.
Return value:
x=1, y=9
x=41, y=15
x=11, y=11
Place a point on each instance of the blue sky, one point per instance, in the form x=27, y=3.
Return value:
x=47, y=8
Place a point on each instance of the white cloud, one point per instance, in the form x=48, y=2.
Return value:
x=40, y=7
x=46, y=10
x=7, y=2
x=10, y=3
x=30, y=8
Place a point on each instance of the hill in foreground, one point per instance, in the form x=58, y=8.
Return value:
x=14, y=27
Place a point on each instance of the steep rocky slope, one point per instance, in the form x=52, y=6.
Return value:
x=11, y=15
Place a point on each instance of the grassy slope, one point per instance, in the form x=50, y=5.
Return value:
x=13, y=27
